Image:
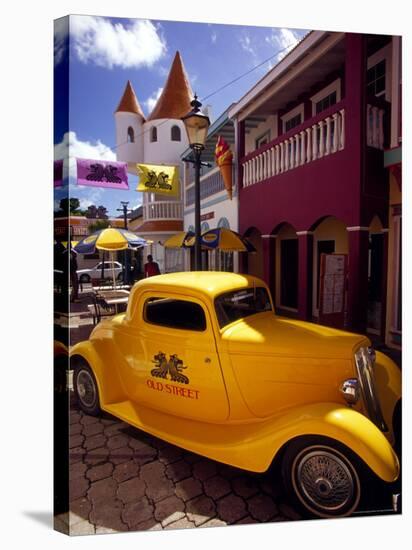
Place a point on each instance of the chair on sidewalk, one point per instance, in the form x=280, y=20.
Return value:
x=100, y=309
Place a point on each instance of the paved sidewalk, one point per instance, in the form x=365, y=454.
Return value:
x=122, y=479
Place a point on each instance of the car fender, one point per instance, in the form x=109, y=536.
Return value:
x=107, y=378
x=346, y=426
x=388, y=380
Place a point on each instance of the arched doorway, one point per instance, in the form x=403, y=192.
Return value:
x=287, y=268
x=253, y=262
x=329, y=237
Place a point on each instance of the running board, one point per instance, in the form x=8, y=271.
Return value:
x=230, y=444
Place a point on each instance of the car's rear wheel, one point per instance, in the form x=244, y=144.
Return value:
x=84, y=278
x=86, y=390
x=321, y=477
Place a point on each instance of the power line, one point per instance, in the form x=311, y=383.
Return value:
x=216, y=91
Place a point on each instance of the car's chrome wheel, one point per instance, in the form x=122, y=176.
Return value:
x=324, y=480
x=86, y=390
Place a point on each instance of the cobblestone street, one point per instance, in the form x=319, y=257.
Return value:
x=122, y=479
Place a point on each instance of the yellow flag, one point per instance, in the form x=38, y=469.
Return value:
x=157, y=178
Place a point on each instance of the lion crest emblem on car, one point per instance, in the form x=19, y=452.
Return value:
x=169, y=368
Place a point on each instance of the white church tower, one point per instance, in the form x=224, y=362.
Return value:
x=160, y=139
x=129, y=119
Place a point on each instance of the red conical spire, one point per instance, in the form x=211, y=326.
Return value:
x=177, y=94
x=129, y=102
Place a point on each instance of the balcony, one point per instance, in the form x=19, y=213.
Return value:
x=321, y=136
x=210, y=184
x=162, y=210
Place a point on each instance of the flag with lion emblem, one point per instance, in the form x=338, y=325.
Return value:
x=158, y=178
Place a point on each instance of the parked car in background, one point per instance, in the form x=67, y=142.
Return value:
x=95, y=273
x=202, y=361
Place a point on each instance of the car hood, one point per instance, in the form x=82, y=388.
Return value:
x=266, y=333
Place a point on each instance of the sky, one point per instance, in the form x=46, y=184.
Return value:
x=106, y=52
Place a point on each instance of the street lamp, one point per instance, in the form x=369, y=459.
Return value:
x=126, y=266
x=197, y=125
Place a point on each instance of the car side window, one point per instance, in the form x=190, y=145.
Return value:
x=173, y=313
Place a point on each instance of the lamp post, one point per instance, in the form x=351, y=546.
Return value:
x=126, y=269
x=197, y=125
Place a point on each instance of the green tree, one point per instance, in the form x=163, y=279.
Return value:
x=69, y=207
x=98, y=224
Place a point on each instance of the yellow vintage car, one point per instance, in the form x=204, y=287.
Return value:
x=201, y=360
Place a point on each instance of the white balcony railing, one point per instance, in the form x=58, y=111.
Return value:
x=374, y=126
x=163, y=210
x=323, y=138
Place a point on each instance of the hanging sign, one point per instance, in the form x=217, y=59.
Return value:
x=333, y=273
x=102, y=173
x=157, y=178
x=58, y=173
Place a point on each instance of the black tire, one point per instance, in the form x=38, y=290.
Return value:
x=84, y=278
x=321, y=477
x=86, y=390
x=120, y=277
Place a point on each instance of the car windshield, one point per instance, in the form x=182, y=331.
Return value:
x=237, y=304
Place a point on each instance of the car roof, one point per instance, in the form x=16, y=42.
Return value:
x=208, y=283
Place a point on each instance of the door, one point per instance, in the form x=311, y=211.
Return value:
x=324, y=247
x=289, y=273
x=176, y=367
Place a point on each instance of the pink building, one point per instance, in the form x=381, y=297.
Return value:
x=311, y=136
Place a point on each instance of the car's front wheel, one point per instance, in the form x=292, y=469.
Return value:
x=321, y=477
x=86, y=390
x=84, y=278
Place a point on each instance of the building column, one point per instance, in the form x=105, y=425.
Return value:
x=357, y=304
x=305, y=274
x=269, y=259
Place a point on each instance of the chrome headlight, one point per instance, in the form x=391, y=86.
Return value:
x=350, y=390
x=365, y=359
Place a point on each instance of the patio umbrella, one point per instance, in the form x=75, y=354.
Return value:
x=110, y=239
x=180, y=240
x=226, y=240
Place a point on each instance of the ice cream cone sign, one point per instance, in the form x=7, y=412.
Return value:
x=224, y=159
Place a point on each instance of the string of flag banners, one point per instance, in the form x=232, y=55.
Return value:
x=154, y=178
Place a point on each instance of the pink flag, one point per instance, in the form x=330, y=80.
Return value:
x=102, y=173
x=58, y=173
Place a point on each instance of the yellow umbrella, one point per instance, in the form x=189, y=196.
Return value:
x=227, y=240
x=182, y=239
x=110, y=239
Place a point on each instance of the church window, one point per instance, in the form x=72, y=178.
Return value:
x=175, y=132
x=153, y=134
x=130, y=135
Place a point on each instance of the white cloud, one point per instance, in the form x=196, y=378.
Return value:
x=284, y=40
x=71, y=148
x=93, y=197
x=74, y=147
x=213, y=37
x=152, y=100
x=61, y=33
x=97, y=40
x=246, y=44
